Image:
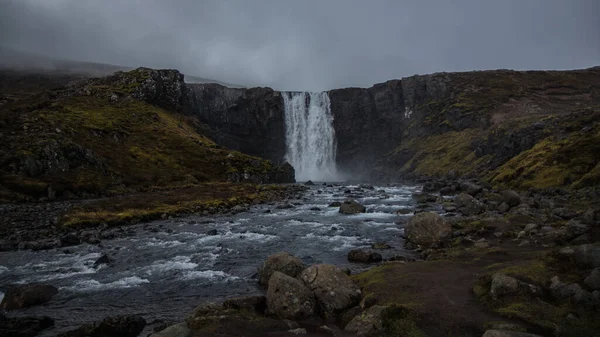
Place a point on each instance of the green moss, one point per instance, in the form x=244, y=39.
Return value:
x=399, y=321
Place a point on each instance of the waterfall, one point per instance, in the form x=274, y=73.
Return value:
x=309, y=136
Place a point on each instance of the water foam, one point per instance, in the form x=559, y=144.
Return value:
x=93, y=285
x=211, y=275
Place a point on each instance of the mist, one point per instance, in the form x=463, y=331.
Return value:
x=308, y=45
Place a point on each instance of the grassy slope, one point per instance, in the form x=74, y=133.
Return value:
x=482, y=105
x=90, y=145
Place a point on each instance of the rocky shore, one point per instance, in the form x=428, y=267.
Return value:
x=488, y=262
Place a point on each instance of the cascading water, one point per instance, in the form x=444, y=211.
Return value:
x=310, y=137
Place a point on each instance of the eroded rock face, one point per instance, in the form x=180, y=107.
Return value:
x=427, y=228
x=289, y=298
x=333, y=289
x=282, y=262
x=27, y=295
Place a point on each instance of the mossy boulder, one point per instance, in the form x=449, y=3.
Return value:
x=427, y=228
x=289, y=298
x=280, y=262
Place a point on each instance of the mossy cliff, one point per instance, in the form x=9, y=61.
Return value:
x=515, y=128
x=124, y=133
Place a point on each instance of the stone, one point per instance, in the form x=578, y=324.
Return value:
x=352, y=207
x=523, y=243
x=103, y=259
x=282, y=262
x=468, y=205
x=24, y=326
x=449, y=207
x=422, y=198
x=504, y=333
x=212, y=232
x=591, y=217
x=115, y=326
x=503, y=285
x=289, y=298
x=28, y=295
x=309, y=183
x=177, y=330
x=334, y=290
x=427, y=228
x=369, y=323
x=511, y=198
x=588, y=256
x=381, y=245
x=363, y=256
x=503, y=207
x=250, y=303
x=335, y=204
x=564, y=213
x=404, y=211
x=481, y=245
x=70, y=239
x=470, y=188
x=530, y=227
x=592, y=281
x=298, y=331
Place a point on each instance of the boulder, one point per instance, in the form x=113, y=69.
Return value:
x=334, y=290
x=28, y=295
x=468, y=205
x=335, y=204
x=70, y=239
x=103, y=259
x=289, y=298
x=503, y=285
x=116, y=326
x=250, y=303
x=470, y=188
x=511, y=198
x=588, y=256
x=592, y=281
x=564, y=213
x=24, y=326
x=363, y=256
x=177, y=330
x=369, y=323
x=503, y=333
x=591, y=217
x=381, y=245
x=282, y=262
x=422, y=198
x=309, y=183
x=352, y=207
x=427, y=228
x=404, y=211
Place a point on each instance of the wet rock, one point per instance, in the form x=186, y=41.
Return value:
x=251, y=303
x=352, y=207
x=470, y=188
x=334, y=290
x=282, y=262
x=238, y=209
x=588, y=256
x=309, y=183
x=381, y=245
x=104, y=259
x=503, y=285
x=403, y=211
x=468, y=205
x=212, y=232
x=177, y=330
x=449, y=207
x=335, y=204
x=24, y=326
x=369, y=323
x=70, y=239
x=504, y=333
x=289, y=298
x=427, y=228
x=28, y=295
x=285, y=206
x=592, y=281
x=315, y=209
x=116, y=326
x=422, y=198
x=363, y=256
x=511, y=198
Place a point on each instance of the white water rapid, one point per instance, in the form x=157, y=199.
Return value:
x=310, y=137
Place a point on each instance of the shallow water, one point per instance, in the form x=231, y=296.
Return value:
x=163, y=275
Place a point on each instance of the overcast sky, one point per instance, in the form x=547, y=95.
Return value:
x=306, y=44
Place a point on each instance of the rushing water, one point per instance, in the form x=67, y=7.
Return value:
x=310, y=136
x=164, y=269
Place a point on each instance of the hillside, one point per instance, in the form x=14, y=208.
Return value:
x=68, y=137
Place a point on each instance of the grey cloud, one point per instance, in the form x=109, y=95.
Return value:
x=309, y=44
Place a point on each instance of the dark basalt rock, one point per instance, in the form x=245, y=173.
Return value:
x=27, y=295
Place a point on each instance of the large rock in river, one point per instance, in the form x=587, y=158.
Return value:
x=27, y=295
x=282, y=262
x=334, y=290
x=427, y=228
x=289, y=298
x=468, y=205
x=352, y=207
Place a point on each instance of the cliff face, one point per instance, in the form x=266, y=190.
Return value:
x=522, y=129
x=246, y=120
